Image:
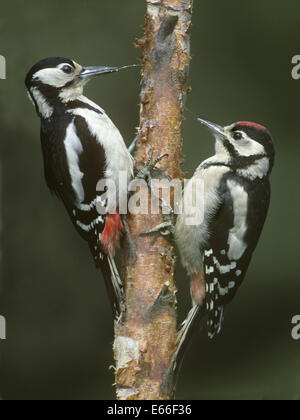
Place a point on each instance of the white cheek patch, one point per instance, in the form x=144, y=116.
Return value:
x=53, y=77
x=236, y=239
x=245, y=146
x=248, y=147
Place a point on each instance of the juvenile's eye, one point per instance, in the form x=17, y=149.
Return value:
x=237, y=136
x=67, y=69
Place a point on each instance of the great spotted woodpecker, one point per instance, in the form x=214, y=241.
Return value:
x=217, y=252
x=81, y=146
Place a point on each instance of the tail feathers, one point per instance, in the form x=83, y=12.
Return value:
x=115, y=278
x=186, y=327
x=113, y=284
x=215, y=321
x=214, y=310
x=186, y=333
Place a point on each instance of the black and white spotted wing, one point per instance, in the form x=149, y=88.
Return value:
x=227, y=255
x=75, y=184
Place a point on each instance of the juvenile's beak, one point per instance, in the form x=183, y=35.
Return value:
x=214, y=128
x=88, y=72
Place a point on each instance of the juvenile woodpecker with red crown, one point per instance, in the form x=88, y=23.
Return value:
x=217, y=252
x=81, y=146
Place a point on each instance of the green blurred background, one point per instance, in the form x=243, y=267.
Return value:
x=58, y=320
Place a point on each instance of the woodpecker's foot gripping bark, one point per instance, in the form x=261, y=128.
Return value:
x=147, y=171
x=167, y=228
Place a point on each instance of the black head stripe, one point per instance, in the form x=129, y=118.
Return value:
x=252, y=131
x=230, y=148
x=79, y=104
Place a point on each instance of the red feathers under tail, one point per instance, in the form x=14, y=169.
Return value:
x=111, y=235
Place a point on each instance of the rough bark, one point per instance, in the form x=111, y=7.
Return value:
x=146, y=335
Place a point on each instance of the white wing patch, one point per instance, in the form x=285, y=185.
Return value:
x=209, y=270
x=106, y=133
x=236, y=242
x=118, y=159
x=223, y=269
x=93, y=204
x=88, y=228
x=73, y=150
x=208, y=253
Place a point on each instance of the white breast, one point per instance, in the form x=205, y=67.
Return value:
x=192, y=239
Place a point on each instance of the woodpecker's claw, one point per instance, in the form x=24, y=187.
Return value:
x=165, y=229
x=153, y=165
x=149, y=167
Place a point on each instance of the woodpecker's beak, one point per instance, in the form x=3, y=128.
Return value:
x=216, y=129
x=88, y=72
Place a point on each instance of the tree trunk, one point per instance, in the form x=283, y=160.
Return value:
x=145, y=337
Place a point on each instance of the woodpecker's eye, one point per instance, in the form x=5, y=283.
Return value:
x=237, y=135
x=67, y=69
